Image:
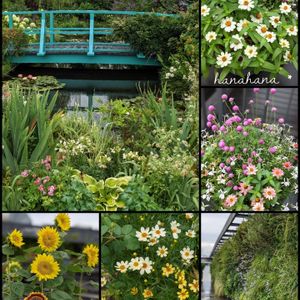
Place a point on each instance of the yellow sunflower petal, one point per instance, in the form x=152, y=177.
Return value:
x=16, y=238
x=63, y=221
x=36, y=296
x=92, y=253
x=48, y=239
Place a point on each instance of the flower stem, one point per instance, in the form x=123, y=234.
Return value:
x=80, y=284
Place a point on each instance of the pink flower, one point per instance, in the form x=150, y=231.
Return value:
x=259, y=206
x=209, y=124
x=261, y=141
x=287, y=165
x=37, y=181
x=231, y=148
x=236, y=188
x=281, y=120
x=222, y=128
x=245, y=133
x=256, y=90
x=20, y=75
x=47, y=179
x=226, y=148
x=267, y=102
x=245, y=188
x=214, y=128
x=239, y=128
x=231, y=99
x=251, y=170
x=222, y=165
x=269, y=193
x=25, y=173
x=41, y=188
x=228, y=122
x=231, y=175
x=235, y=108
x=273, y=91
x=272, y=150
x=224, y=97
x=277, y=172
x=230, y=201
x=51, y=190
x=211, y=108
x=210, y=117
x=273, y=109
x=222, y=144
x=251, y=101
x=48, y=167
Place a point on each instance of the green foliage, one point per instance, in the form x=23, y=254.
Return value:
x=260, y=261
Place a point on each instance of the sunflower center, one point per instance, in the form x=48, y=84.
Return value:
x=37, y=297
x=45, y=268
x=49, y=240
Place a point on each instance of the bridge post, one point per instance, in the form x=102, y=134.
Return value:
x=52, y=28
x=10, y=21
x=42, y=50
x=91, y=38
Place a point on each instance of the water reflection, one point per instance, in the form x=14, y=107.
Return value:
x=207, y=288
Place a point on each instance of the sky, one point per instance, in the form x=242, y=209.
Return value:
x=85, y=220
x=211, y=226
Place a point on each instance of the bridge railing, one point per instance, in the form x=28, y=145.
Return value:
x=48, y=29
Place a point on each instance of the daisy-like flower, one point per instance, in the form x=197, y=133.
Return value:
x=146, y=265
x=147, y=293
x=175, y=231
x=284, y=43
x=16, y=238
x=245, y=188
x=194, y=286
x=230, y=201
x=228, y=24
x=251, y=51
x=143, y=235
x=275, y=21
x=135, y=264
x=48, y=239
x=92, y=253
x=152, y=241
x=162, y=251
x=122, y=266
x=277, y=172
x=286, y=182
x=224, y=59
x=288, y=56
x=259, y=206
x=45, y=267
x=262, y=29
x=63, y=221
x=258, y=18
x=292, y=30
x=287, y=165
x=189, y=216
x=285, y=8
x=236, y=43
x=204, y=10
x=246, y=4
x=175, y=224
x=190, y=233
x=167, y=270
x=270, y=36
x=36, y=296
x=183, y=294
x=158, y=232
x=269, y=193
x=187, y=253
x=103, y=281
x=251, y=170
x=211, y=36
x=242, y=24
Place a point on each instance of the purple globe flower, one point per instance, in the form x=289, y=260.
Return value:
x=214, y=128
x=210, y=117
x=226, y=148
x=246, y=123
x=231, y=148
x=281, y=120
x=272, y=150
x=228, y=122
x=236, y=188
x=260, y=160
x=239, y=128
x=245, y=150
x=273, y=91
x=231, y=99
x=261, y=141
x=222, y=144
x=231, y=175
x=211, y=108
x=235, y=108
x=222, y=128
x=274, y=109
x=202, y=152
x=237, y=119
x=256, y=90
x=229, y=183
x=209, y=124
x=228, y=169
x=222, y=165
x=224, y=97
x=245, y=133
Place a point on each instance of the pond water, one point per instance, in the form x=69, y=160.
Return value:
x=206, y=286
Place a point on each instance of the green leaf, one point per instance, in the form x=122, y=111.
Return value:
x=132, y=243
x=7, y=250
x=104, y=229
x=23, y=273
x=276, y=53
x=224, y=73
x=126, y=229
x=61, y=295
x=118, y=230
x=54, y=282
x=18, y=288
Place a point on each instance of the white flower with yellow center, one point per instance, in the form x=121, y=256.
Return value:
x=190, y=233
x=236, y=43
x=275, y=21
x=175, y=224
x=122, y=266
x=211, y=36
x=287, y=56
x=284, y=43
x=189, y=216
x=258, y=18
x=246, y=4
x=152, y=241
x=162, y=251
x=175, y=231
x=187, y=253
x=103, y=281
x=262, y=29
x=146, y=265
x=251, y=51
x=242, y=24
x=157, y=231
x=228, y=24
x=143, y=235
x=224, y=59
x=135, y=264
x=204, y=10
x=292, y=30
x=270, y=36
x=285, y=8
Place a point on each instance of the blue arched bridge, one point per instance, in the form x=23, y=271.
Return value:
x=85, y=50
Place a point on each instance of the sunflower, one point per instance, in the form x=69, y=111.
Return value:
x=48, y=239
x=36, y=296
x=92, y=253
x=45, y=267
x=63, y=221
x=16, y=238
